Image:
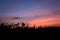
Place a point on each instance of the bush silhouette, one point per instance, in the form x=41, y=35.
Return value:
x=24, y=28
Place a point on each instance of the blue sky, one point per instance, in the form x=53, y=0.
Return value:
x=16, y=7
x=30, y=9
x=23, y=7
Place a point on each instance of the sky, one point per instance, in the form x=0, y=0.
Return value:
x=38, y=12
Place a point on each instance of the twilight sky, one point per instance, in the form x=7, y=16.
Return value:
x=44, y=12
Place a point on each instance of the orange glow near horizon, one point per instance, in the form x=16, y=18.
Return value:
x=49, y=21
x=45, y=21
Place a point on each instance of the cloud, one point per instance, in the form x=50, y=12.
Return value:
x=16, y=18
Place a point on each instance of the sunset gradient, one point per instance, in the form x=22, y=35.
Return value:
x=33, y=12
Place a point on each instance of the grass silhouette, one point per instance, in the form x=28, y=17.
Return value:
x=16, y=28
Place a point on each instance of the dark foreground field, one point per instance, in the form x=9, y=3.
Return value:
x=7, y=28
x=49, y=29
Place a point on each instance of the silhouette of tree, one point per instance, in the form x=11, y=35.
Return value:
x=27, y=25
x=17, y=25
x=34, y=25
x=5, y=27
x=23, y=24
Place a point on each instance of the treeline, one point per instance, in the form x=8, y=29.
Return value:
x=5, y=27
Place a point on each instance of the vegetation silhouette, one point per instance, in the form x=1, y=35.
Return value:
x=5, y=27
